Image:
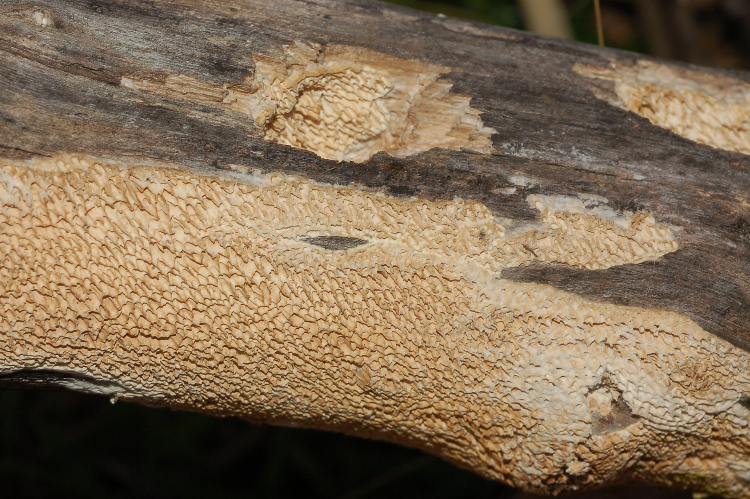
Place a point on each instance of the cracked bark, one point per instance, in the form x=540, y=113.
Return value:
x=525, y=263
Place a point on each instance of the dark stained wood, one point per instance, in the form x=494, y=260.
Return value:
x=59, y=92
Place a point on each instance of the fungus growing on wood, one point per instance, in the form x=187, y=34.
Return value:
x=485, y=262
x=704, y=108
x=343, y=103
x=127, y=269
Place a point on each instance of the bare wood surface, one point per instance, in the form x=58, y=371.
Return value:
x=527, y=203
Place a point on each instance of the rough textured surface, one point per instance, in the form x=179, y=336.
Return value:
x=700, y=107
x=197, y=292
x=91, y=78
x=344, y=103
x=502, y=269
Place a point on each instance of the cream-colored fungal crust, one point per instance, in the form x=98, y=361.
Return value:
x=343, y=103
x=582, y=231
x=206, y=293
x=703, y=108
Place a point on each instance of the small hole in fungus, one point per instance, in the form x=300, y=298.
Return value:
x=335, y=242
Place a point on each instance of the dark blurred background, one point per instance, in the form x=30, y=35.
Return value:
x=708, y=32
x=61, y=444
x=64, y=444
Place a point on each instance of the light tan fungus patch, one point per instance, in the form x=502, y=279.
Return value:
x=703, y=108
x=206, y=293
x=343, y=103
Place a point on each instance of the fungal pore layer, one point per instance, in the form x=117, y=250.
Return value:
x=283, y=300
x=703, y=108
x=342, y=103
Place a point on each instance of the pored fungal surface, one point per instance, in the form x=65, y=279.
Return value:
x=342, y=103
x=196, y=291
x=703, y=108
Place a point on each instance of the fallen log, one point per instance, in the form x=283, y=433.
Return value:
x=525, y=255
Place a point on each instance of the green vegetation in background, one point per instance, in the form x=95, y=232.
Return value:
x=506, y=13
x=584, y=26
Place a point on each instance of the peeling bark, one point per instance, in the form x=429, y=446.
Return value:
x=530, y=257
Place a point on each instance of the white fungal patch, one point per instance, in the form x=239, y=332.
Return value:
x=94, y=388
x=41, y=19
x=522, y=181
x=583, y=205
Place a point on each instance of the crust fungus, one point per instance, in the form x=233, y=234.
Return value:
x=343, y=103
x=703, y=108
x=257, y=299
x=380, y=299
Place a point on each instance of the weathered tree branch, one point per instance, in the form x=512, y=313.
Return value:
x=528, y=256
